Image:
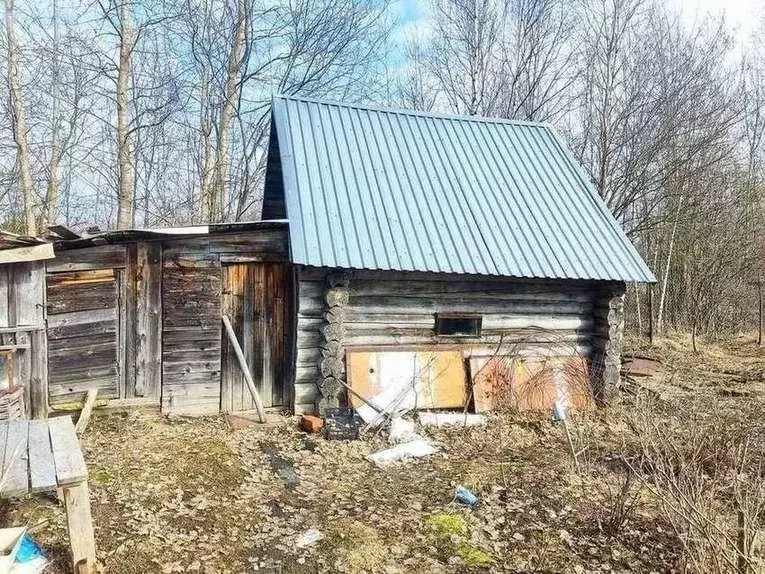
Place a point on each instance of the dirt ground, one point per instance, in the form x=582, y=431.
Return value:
x=198, y=496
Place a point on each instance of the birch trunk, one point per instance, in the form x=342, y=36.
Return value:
x=761, y=308
x=638, y=310
x=125, y=191
x=227, y=110
x=665, y=278
x=50, y=211
x=19, y=124
x=205, y=124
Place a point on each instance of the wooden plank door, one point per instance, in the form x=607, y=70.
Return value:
x=255, y=297
x=83, y=331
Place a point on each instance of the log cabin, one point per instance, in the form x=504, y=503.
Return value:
x=385, y=236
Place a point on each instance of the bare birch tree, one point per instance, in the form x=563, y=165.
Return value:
x=218, y=197
x=125, y=191
x=50, y=208
x=19, y=123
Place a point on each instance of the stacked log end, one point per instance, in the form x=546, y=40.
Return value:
x=606, y=364
x=332, y=367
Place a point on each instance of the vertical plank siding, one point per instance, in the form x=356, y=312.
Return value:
x=243, y=276
x=22, y=320
x=142, y=319
x=233, y=295
x=191, y=330
x=554, y=318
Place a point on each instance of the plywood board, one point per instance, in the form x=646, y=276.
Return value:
x=438, y=376
x=529, y=383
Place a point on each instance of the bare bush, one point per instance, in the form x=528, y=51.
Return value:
x=707, y=474
x=622, y=497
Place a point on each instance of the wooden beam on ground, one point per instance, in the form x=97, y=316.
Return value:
x=245, y=368
x=87, y=409
x=80, y=523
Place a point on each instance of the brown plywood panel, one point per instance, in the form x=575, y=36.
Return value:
x=439, y=376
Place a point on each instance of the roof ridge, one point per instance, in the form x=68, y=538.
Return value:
x=416, y=113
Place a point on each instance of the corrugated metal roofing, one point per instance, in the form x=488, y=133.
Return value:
x=367, y=188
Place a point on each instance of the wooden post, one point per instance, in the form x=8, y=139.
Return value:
x=127, y=286
x=148, y=324
x=245, y=369
x=38, y=388
x=80, y=523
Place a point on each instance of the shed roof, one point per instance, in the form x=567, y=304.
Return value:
x=368, y=188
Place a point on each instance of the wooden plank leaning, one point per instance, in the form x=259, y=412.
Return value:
x=87, y=409
x=245, y=368
x=80, y=524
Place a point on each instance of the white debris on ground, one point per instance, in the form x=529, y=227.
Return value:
x=450, y=419
x=308, y=538
x=401, y=430
x=417, y=448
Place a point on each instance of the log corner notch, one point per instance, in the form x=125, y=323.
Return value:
x=333, y=332
x=609, y=336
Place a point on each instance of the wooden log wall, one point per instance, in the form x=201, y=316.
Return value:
x=607, y=341
x=384, y=309
x=333, y=341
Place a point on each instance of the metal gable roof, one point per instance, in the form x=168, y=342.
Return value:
x=367, y=188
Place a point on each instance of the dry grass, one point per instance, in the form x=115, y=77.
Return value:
x=194, y=496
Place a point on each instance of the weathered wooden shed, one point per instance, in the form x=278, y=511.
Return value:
x=137, y=315
x=384, y=235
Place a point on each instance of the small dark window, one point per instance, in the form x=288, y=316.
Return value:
x=458, y=325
